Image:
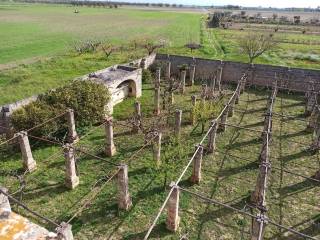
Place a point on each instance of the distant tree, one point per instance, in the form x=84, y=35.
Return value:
x=274, y=16
x=151, y=45
x=254, y=45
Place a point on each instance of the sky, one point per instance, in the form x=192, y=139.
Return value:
x=246, y=3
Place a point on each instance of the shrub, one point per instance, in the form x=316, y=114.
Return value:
x=34, y=114
x=86, y=98
x=146, y=76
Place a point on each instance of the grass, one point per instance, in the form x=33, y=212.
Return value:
x=291, y=200
x=42, y=30
x=39, y=38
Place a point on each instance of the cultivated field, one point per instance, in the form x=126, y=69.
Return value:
x=41, y=38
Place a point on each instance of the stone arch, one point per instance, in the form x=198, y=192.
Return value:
x=131, y=87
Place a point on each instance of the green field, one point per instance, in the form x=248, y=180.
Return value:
x=37, y=42
x=40, y=30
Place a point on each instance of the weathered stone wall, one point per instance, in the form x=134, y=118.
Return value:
x=295, y=79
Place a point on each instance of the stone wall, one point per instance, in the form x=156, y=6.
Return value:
x=295, y=79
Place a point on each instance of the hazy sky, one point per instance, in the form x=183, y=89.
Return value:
x=250, y=3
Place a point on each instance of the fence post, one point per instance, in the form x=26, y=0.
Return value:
x=257, y=226
x=158, y=78
x=168, y=70
x=315, y=116
x=231, y=106
x=222, y=125
x=110, y=148
x=197, y=162
x=64, y=232
x=5, y=207
x=178, y=120
x=219, y=79
x=192, y=74
x=192, y=115
x=71, y=178
x=212, y=137
x=137, y=117
x=157, y=101
x=173, y=218
x=157, y=149
x=311, y=102
x=7, y=123
x=124, y=200
x=29, y=163
x=204, y=90
x=183, y=81
x=72, y=133
x=315, y=146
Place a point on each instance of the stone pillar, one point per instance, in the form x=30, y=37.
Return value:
x=204, y=91
x=237, y=96
x=219, y=79
x=256, y=226
x=193, y=103
x=316, y=142
x=315, y=116
x=222, y=126
x=231, y=106
x=183, y=74
x=192, y=74
x=71, y=178
x=157, y=148
x=212, y=137
x=173, y=218
x=177, y=125
x=157, y=101
x=5, y=207
x=72, y=133
x=7, y=123
x=137, y=117
x=110, y=149
x=124, y=199
x=168, y=70
x=197, y=162
x=158, y=78
x=172, y=97
x=311, y=102
x=257, y=196
x=64, y=232
x=29, y=163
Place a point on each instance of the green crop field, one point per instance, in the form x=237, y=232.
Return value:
x=37, y=42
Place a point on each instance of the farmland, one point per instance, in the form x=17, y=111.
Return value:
x=37, y=43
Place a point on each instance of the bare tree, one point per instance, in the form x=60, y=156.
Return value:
x=254, y=45
x=151, y=45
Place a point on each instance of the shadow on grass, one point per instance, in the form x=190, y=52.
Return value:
x=41, y=191
x=313, y=230
x=232, y=171
x=291, y=157
x=257, y=124
x=158, y=232
x=222, y=212
x=298, y=187
x=245, y=143
x=296, y=134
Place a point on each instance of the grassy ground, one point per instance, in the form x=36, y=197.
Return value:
x=291, y=200
x=42, y=30
x=41, y=37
